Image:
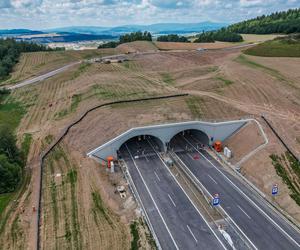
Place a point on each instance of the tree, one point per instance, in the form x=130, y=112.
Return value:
x=10, y=174
x=173, y=38
x=279, y=22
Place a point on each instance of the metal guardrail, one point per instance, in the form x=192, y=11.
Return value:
x=140, y=203
x=61, y=137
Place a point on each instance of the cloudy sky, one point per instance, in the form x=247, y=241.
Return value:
x=42, y=14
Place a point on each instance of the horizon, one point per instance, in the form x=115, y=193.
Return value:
x=101, y=26
x=47, y=14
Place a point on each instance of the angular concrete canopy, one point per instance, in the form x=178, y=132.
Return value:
x=218, y=131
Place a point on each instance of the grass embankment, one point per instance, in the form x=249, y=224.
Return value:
x=280, y=47
x=242, y=59
x=141, y=236
x=61, y=208
x=288, y=168
x=194, y=105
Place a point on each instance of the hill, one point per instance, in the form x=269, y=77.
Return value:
x=18, y=32
x=279, y=22
x=159, y=28
x=280, y=47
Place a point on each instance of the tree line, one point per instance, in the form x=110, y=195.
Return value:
x=12, y=159
x=173, y=38
x=10, y=51
x=127, y=38
x=279, y=22
x=222, y=35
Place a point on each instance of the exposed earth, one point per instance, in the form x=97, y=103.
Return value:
x=80, y=209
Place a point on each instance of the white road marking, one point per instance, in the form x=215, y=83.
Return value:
x=223, y=210
x=192, y=233
x=187, y=196
x=212, y=179
x=244, y=212
x=172, y=200
x=250, y=200
x=156, y=176
x=148, y=190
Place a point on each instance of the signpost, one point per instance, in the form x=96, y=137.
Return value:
x=216, y=200
x=275, y=189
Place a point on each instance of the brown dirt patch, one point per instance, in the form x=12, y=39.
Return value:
x=191, y=46
x=137, y=46
x=247, y=139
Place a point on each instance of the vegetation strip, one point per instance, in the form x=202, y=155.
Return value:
x=279, y=138
x=66, y=131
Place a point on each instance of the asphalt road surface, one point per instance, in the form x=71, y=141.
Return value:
x=264, y=228
x=176, y=222
x=43, y=77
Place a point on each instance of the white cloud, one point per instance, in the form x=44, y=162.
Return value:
x=53, y=13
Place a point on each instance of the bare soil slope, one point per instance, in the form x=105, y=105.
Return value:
x=222, y=85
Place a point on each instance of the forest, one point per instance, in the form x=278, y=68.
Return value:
x=10, y=51
x=11, y=158
x=127, y=38
x=173, y=38
x=285, y=22
x=222, y=35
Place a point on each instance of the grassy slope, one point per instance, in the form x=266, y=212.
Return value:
x=275, y=48
x=36, y=63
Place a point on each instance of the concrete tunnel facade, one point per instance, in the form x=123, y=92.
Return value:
x=215, y=131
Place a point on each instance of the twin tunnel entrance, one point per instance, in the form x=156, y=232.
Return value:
x=148, y=144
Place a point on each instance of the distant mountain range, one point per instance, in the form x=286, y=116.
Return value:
x=159, y=28
x=91, y=33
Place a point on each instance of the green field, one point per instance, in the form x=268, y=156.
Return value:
x=276, y=48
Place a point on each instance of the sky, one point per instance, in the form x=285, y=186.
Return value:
x=44, y=14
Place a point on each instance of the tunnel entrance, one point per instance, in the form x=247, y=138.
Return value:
x=185, y=139
x=141, y=146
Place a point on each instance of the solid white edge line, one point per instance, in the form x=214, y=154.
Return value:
x=241, y=231
x=187, y=196
x=134, y=163
x=157, y=176
x=244, y=212
x=192, y=233
x=248, y=198
x=212, y=179
x=172, y=200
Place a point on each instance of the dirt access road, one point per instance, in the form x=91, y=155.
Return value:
x=66, y=67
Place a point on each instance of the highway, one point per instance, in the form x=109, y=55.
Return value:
x=264, y=228
x=42, y=77
x=176, y=221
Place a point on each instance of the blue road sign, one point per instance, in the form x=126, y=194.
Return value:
x=275, y=189
x=216, y=200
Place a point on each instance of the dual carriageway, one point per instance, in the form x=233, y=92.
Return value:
x=177, y=221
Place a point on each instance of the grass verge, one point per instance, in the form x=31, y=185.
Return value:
x=275, y=48
x=135, y=235
x=288, y=169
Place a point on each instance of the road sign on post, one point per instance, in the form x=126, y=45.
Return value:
x=275, y=189
x=216, y=200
